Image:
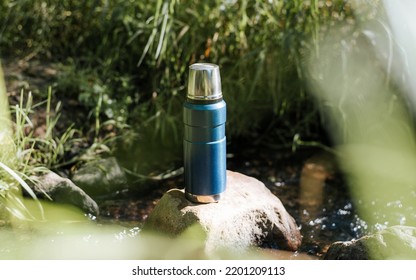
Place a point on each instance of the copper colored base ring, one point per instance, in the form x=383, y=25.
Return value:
x=202, y=198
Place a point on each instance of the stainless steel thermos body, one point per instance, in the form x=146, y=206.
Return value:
x=204, y=118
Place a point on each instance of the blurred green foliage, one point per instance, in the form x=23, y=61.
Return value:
x=364, y=85
x=127, y=61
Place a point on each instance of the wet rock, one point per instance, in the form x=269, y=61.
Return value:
x=396, y=242
x=101, y=177
x=63, y=190
x=247, y=215
x=349, y=250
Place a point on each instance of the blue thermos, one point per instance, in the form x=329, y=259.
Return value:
x=204, y=143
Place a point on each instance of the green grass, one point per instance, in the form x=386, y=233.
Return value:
x=125, y=64
x=136, y=56
x=12, y=178
x=27, y=150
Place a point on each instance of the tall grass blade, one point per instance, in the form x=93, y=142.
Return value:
x=23, y=184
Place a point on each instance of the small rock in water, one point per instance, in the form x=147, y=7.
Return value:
x=101, y=177
x=64, y=190
x=247, y=215
x=396, y=242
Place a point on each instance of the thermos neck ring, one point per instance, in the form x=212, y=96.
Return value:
x=203, y=101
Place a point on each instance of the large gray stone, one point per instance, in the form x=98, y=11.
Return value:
x=396, y=242
x=100, y=177
x=63, y=190
x=247, y=215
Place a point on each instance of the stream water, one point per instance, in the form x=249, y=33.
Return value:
x=308, y=183
x=313, y=191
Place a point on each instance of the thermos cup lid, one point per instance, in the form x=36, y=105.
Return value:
x=204, y=82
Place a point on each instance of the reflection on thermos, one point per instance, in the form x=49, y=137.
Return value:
x=204, y=118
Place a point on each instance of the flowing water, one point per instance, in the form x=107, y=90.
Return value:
x=309, y=184
x=313, y=191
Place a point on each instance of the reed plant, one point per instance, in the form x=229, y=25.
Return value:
x=12, y=180
x=28, y=150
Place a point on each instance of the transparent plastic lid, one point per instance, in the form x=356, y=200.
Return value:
x=204, y=82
